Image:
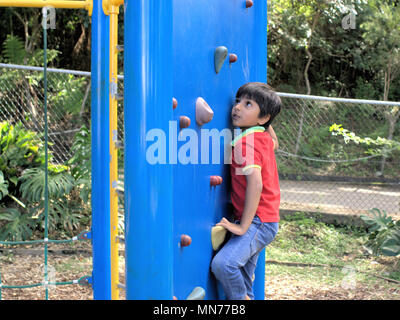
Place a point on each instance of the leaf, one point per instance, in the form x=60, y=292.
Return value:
x=3, y=186
x=379, y=220
x=18, y=227
x=33, y=184
x=391, y=246
x=13, y=49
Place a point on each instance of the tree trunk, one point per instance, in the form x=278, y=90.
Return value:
x=310, y=57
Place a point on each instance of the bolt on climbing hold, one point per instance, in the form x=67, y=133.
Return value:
x=220, y=55
x=185, y=240
x=249, y=3
x=174, y=103
x=218, y=234
x=215, y=180
x=232, y=58
x=184, y=122
x=204, y=113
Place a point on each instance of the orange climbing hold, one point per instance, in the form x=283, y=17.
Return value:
x=215, y=180
x=249, y=3
x=184, y=122
x=185, y=240
x=232, y=58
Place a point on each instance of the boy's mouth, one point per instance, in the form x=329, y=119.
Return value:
x=235, y=117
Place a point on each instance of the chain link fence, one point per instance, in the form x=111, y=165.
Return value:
x=22, y=96
x=319, y=171
x=322, y=171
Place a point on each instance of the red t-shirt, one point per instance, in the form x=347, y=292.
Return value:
x=254, y=148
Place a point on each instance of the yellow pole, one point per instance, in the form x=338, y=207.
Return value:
x=113, y=10
x=62, y=4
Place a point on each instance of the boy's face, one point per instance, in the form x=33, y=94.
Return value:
x=245, y=114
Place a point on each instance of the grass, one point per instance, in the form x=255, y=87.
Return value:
x=311, y=243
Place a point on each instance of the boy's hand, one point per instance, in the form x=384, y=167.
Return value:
x=232, y=227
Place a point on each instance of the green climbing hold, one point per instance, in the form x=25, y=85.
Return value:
x=219, y=57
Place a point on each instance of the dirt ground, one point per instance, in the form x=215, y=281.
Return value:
x=23, y=269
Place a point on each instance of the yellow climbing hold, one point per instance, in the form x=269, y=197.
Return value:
x=218, y=234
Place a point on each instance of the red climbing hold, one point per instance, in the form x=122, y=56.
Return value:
x=232, y=58
x=174, y=103
x=185, y=240
x=184, y=122
x=249, y=3
x=215, y=180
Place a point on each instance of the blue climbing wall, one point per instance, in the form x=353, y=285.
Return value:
x=169, y=52
x=199, y=27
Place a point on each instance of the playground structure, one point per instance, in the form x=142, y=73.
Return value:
x=183, y=62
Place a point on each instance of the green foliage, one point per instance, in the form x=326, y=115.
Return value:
x=3, y=186
x=80, y=162
x=13, y=50
x=66, y=93
x=384, y=233
x=19, y=226
x=378, y=146
x=32, y=187
x=22, y=187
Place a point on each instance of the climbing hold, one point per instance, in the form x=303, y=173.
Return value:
x=220, y=55
x=174, y=298
x=249, y=3
x=185, y=240
x=218, y=234
x=215, y=180
x=184, y=122
x=232, y=58
x=198, y=293
x=174, y=103
x=204, y=113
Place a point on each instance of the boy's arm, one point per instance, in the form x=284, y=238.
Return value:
x=271, y=132
x=253, y=194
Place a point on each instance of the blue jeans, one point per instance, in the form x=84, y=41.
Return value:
x=235, y=263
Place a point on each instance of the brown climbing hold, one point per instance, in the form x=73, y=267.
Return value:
x=174, y=103
x=215, y=180
x=184, y=122
x=232, y=58
x=204, y=113
x=249, y=3
x=185, y=240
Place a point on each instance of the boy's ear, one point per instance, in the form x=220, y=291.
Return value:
x=264, y=120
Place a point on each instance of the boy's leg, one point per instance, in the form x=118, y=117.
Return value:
x=235, y=263
x=228, y=262
x=248, y=273
x=264, y=236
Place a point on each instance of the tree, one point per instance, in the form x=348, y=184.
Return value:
x=381, y=32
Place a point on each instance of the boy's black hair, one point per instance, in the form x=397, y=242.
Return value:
x=267, y=99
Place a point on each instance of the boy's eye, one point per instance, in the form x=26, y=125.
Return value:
x=248, y=104
x=237, y=101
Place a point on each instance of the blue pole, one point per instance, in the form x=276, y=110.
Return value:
x=100, y=154
x=261, y=76
x=148, y=187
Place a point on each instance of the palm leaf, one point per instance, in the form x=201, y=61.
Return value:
x=13, y=49
x=33, y=186
x=379, y=220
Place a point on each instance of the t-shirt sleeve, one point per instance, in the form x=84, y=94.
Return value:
x=248, y=154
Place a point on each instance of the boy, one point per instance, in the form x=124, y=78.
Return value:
x=255, y=190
